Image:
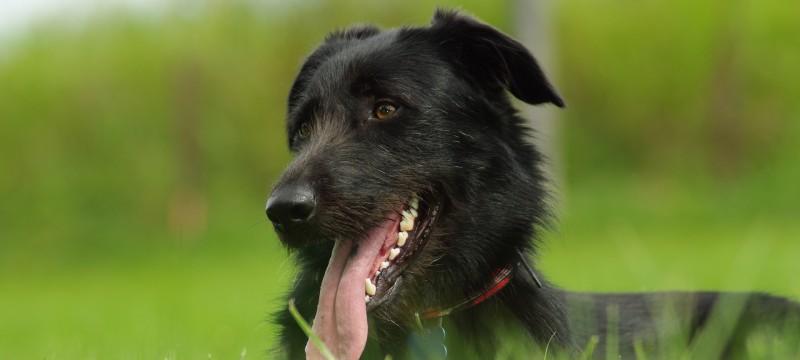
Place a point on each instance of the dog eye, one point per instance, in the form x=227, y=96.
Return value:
x=384, y=110
x=303, y=131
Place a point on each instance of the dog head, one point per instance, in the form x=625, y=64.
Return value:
x=408, y=156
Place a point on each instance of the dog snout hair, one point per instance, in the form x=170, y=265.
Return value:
x=296, y=205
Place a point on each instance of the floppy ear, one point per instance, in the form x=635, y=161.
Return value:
x=492, y=58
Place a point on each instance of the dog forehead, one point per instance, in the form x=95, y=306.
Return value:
x=387, y=58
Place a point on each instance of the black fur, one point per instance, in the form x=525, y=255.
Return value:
x=455, y=135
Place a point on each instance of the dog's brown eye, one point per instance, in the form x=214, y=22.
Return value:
x=384, y=110
x=304, y=130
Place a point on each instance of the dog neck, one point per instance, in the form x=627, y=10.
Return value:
x=513, y=291
x=519, y=312
x=499, y=279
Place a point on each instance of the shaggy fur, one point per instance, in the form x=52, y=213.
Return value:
x=457, y=137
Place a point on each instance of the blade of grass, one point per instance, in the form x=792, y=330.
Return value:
x=547, y=347
x=612, y=333
x=315, y=340
x=638, y=348
x=590, y=346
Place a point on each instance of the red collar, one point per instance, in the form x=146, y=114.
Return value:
x=500, y=278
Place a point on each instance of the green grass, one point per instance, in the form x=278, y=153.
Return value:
x=636, y=235
x=184, y=306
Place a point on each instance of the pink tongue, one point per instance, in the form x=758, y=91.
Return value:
x=341, y=319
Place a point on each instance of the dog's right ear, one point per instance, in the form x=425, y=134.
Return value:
x=492, y=58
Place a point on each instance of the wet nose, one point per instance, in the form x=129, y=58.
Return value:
x=291, y=205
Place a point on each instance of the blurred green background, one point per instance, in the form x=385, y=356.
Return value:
x=137, y=149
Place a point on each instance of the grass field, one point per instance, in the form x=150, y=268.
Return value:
x=179, y=306
x=202, y=303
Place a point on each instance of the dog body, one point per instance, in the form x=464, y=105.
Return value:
x=414, y=188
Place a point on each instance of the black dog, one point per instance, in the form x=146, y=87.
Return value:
x=415, y=197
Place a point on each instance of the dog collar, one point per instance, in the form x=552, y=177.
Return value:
x=433, y=337
x=500, y=278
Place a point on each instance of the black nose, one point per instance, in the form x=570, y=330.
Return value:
x=291, y=205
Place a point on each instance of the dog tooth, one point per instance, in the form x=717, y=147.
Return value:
x=393, y=253
x=369, y=287
x=367, y=298
x=413, y=212
x=377, y=273
x=401, y=238
x=384, y=265
x=414, y=203
x=407, y=224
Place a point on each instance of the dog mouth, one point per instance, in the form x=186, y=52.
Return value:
x=362, y=275
x=403, y=242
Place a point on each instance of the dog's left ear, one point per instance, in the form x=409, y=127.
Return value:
x=492, y=58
